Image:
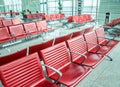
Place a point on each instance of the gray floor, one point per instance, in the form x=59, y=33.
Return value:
x=106, y=74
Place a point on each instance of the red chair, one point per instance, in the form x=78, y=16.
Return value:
x=4, y=35
x=80, y=19
x=34, y=15
x=28, y=16
x=24, y=72
x=80, y=53
x=37, y=48
x=17, y=31
x=57, y=16
x=14, y=56
x=85, y=18
x=75, y=19
x=102, y=40
x=78, y=33
x=47, y=17
x=70, y=18
x=16, y=21
x=62, y=38
x=62, y=16
x=58, y=57
x=89, y=18
x=30, y=28
x=100, y=49
x=42, y=26
x=7, y=22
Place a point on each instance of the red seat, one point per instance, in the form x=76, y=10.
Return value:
x=63, y=38
x=78, y=33
x=39, y=47
x=7, y=22
x=58, y=57
x=14, y=56
x=4, y=35
x=17, y=31
x=24, y=72
x=30, y=28
x=16, y=21
x=78, y=49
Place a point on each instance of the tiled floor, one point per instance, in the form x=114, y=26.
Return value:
x=106, y=74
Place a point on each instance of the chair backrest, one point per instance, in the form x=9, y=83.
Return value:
x=17, y=31
x=7, y=22
x=91, y=38
x=85, y=18
x=14, y=56
x=30, y=28
x=22, y=72
x=44, y=26
x=80, y=19
x=56, y=56
x=78, y=33
x=39, y=47
x=63, y=38
x=77, y=44
x=75, y=19
x=62, y=15
x=16, y=21
x=4, y=35
x=100, y=33
x=34, y=15
x=41, y=25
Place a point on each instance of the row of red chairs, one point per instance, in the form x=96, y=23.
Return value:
x=36, y=15
x=51, y=17
x=84, y=18
x=86, y=52
x=114, y=22
x=16, y=13
x=8, y=22
x=22, y=30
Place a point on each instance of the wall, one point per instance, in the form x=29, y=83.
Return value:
x=108, y=6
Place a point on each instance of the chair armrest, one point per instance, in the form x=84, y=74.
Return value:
x=79, y=54
x=57, y=71
x=96, y=45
